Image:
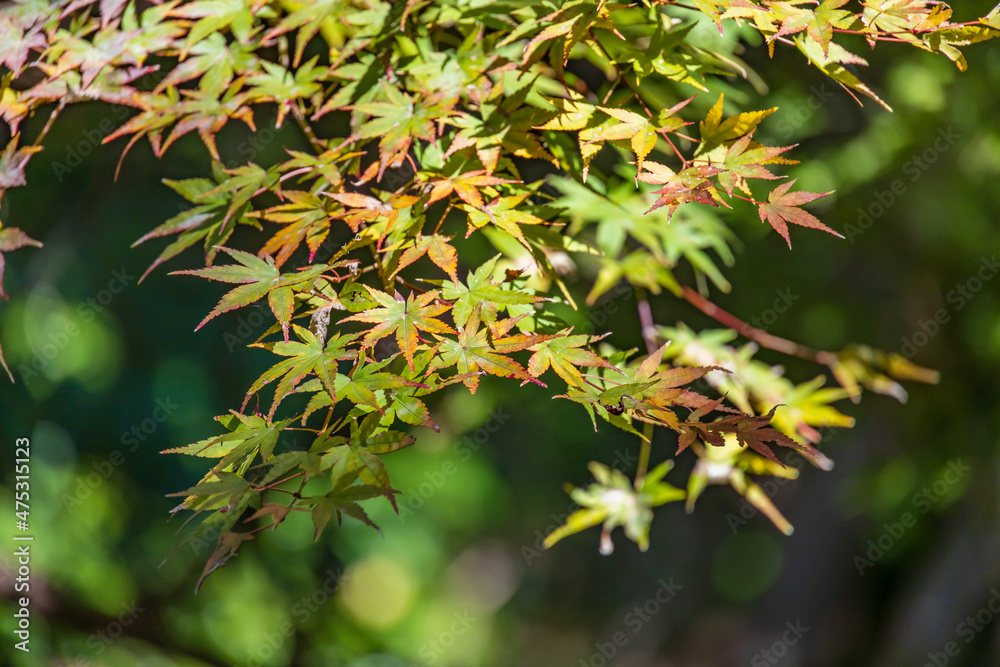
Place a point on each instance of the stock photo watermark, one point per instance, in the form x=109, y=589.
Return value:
x=130, y=440
x=43, y=353
x=913, y=168
x=100, y=640
x=922, y=502
x=773, y=654
x=633, y=621
x=302, y=610
x=415, y=497
x=967, y=631
x=958, y=297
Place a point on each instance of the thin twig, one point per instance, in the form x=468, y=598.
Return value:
x=759, y=336
x=644, y=450
x=646, y=320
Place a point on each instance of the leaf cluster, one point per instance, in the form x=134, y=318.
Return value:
x=419, y=124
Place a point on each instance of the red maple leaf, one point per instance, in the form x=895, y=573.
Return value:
x=783, y=207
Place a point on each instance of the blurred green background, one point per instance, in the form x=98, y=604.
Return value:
x=110, y=373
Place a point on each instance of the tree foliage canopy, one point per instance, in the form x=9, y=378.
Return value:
x=426, y=128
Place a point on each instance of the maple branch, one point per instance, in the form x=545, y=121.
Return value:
x=648, y=327
x=444, y=215
x=759, y=336
x=749, y=199
x=280, y=481
x=48, y=123
x=418, y=290
x=645, y=446
x=306, y=128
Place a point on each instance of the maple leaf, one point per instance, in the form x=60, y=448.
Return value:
x=361, y=208
x=466, y=186
x=824, y=19
x=204, y=221
x=356, y=457
x=343, y=501
x=614, y=501
x=216, y=61
x=783, y=207
x=691, y=185
x=358, y=387
x=304, y=218
x=573, y=21
x=248, y=436
x=574, y=113
x=12, y=238
x=715, y=131
x=16, y=44
x=480, y=350
x=503, y=124
x=405, y=318
x=564, y=354
x=742, y=162
x=437, y=248
x=750, y=431
x=311, y=355
x=480, y=291
x=257, y=278
x=731, y=464
x=228, y=546
x=277, y=84
x=215, y=16
x=13, y=160
x=501, y=212
x=396, y=122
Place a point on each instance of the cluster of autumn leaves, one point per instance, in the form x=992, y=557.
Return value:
x=462, y=99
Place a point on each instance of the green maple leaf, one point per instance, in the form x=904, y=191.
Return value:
x=480, y=290
x=277, y=84
x=405, y=318
x=258, y=278
x=480, y=350
x=825, y=18
x=204, y=221
x=356, y=457
x=367, y=378
x=565, y=353
x=783, y=207
x=502, y=213
x=615, y=501
x=310, y=355
x=573, y=21
x=396, y=122
x=342, y=501
x=248, y=435
x=216, y=61
x=217, y=15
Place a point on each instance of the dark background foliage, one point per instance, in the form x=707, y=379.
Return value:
x=458, y=579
